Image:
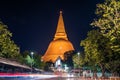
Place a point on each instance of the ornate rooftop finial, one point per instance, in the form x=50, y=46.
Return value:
x=60, y=12
x=60, y=32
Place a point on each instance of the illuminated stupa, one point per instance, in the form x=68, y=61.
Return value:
x=59, y=45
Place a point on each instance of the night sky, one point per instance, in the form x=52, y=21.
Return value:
x=33, y=22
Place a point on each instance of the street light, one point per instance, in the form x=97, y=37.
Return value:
x=31, y=60
x=79, y=62
x=78, y=58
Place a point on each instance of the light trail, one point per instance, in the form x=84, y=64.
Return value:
x=24, y=75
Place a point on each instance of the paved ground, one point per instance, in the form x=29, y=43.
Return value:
x=55, y=78
x=72, y=79
x=43, y=77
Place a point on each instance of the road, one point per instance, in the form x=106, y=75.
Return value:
x=40, y=77
x=55, y=78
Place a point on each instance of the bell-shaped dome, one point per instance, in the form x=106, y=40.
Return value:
x=56, y=49
x=59, y=45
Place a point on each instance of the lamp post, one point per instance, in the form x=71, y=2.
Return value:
x=31, y=60
x=79, y=62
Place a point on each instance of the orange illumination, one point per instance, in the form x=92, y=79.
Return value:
x=59, y=45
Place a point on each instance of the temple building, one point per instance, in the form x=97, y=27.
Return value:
x=59, y=45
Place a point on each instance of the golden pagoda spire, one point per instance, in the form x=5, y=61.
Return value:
x=60, y=32
x=59, y=45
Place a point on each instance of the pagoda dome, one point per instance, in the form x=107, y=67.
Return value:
x=57, y=48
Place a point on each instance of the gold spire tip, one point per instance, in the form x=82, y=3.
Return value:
x=60, y=12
